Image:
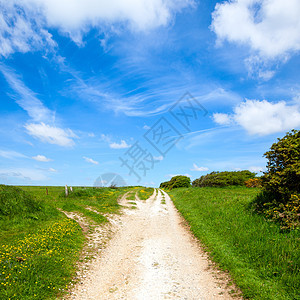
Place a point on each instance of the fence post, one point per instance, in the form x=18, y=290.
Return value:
x=47, y=191
x=66, y=190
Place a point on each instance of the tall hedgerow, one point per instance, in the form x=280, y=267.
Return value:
x=226, y=178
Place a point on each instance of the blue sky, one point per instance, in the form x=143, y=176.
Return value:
x=82, y=84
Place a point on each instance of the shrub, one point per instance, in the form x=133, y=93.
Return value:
x=283, y=168
x=253, y=183
x=164, y=185
x=225, y=178
x=279, y=200
x=176, y=182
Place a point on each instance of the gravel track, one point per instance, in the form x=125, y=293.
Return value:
x=152, y=255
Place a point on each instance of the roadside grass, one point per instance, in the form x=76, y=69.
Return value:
x=145, y=193
x=39, y=244
x=263, y=260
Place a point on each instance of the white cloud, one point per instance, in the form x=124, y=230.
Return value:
x=52, y=170
x=89, y=160
x=24, y=23
x=270, y=27
x=74, y=17
x=10, y=154
x=200, y=169
x=41, y=158
x=222, y=119
x=113, y=145
x=263, y=117
x=122, y=145
x=51, y=134
x=146, y=127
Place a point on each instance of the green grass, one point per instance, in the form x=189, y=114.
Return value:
x=262, y=260
x=163, y=199
x=102, y=200
x=145, y=193
x=39, y=244
x=131, y=195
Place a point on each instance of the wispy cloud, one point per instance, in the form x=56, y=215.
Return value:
x=22, y=174
x=155, y=97
x=26, y=98
x=90, y=160
x=41, y=158
x=10, y=154
x=39, y=114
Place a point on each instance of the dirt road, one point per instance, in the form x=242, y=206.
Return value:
x=151, y=256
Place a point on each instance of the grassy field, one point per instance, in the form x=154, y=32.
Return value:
x=145, y=193
x=263, y=261
x=39, y=244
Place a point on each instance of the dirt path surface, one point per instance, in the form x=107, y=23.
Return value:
x=151, y=256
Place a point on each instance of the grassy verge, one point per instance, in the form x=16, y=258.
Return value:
x=145, y=193
x=39, y=244
x=263, y=261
